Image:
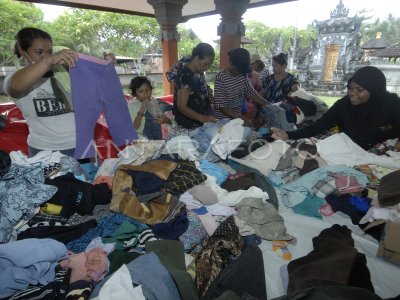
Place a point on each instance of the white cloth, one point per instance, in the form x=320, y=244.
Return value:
x=135, y=154
x=381, y=213
x=120, y=287
x=129, y=154
x=301, y=94
x=265, y=158
x=394, y=155
x=339, y=149
x=50, y=126
x=233, y=198
x=228, y=138
x=97, y=242
x=183, y=145
x=42, y=158
x=108, y=167
x=215, y=209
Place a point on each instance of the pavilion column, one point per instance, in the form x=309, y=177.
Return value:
x=168, y=14
x=231, y=28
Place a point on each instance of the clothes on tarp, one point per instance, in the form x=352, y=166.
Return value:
x=217, y=252
x=21, y=190
x=78, y=196
x=334, y=261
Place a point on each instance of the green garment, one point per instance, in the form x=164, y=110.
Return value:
x=119, y=257
x=125, y=237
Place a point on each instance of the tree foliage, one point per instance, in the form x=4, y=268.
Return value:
x=14, y=15
x=188, y=40
x=269, y=41
x=94, y=32
x=390, y=29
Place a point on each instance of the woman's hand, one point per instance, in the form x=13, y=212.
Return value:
x=247, y=122
x=67, y=57
x=208, y=119
x=144, y=106
x=163, y=120
x=279, y=134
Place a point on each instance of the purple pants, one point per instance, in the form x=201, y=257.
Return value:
x=95, y=88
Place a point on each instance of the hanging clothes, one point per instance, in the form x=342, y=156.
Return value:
x=95, y=88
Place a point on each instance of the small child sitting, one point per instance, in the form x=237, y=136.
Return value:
x=151, y=117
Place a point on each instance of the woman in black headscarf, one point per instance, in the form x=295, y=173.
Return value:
x=368, y=114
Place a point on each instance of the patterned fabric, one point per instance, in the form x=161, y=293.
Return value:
x=145, y=236
x=105, y=227
x=198, y=101
x=49, y=291
x=324, y=187
x=195, y=233
x=288, y=175
x=202, y=137
x=217, y=252
x=80, y=290
x=275, y=90
x=99, y=212
x=48, y=171
x=264, y=73
x=21, y=189
x=51, y=219
x=162, y=149
x=184, y=177
x=175, y=208
x=58, y=289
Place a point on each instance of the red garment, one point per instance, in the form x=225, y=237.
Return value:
x=347, y=184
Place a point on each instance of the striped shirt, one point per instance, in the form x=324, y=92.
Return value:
x=230, y=92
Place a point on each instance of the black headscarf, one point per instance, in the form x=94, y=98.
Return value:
x=370, y=78
x=374, y=81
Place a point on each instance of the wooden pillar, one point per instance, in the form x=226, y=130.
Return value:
x=231, y=28
x=168, y=14
x=169, y=58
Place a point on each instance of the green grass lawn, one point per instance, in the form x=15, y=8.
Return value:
x=329, y=100
x=4, y=99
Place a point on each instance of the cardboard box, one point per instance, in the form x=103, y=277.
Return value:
x=389, y=247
